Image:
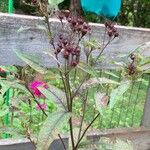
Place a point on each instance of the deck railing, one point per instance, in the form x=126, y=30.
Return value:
x=33, y=39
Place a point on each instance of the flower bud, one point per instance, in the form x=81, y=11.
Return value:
x=34, y=2
x=132, y=56
x=65, y=42
x=66, y=13
x=66, y=54
x=80, y=21
x=116, y=34
x=74, y=63
x=110, y=33
x=73, y=22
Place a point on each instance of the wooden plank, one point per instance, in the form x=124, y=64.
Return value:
x=146, y=115
x=138, y=136
x=34, y=41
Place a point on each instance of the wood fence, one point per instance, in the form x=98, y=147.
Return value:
x=33, y=40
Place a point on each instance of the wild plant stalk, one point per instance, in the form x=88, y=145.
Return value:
x=70, y=49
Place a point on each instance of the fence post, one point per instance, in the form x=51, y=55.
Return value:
x=146, y=114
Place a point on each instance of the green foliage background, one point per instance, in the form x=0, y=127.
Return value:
x=3, y=5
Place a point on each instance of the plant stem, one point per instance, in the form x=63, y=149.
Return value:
x=103, y=49
x=71, y=133
x=70, y=100
x=48, y=24
x=84, y=108
x=64, y=83
x=86, y=131
x=62, y=142
x=37, y=102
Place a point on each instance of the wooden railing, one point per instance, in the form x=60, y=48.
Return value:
x=33, y=39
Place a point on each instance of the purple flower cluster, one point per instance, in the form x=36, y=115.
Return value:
x=76, y=23
x=67, y=46
x=34, y=2
x=68, y=49
x=111, y=30
x=132, y=66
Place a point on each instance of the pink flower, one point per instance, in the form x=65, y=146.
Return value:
x=42, y=105
x=34, y=88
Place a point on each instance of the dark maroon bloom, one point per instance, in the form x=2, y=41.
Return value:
x=80, y=21
x=67, y=45
x=34, y=1
x=111, y=30
x=74, y=63
x=132, y=56
x=66, y=13
x=66, y=54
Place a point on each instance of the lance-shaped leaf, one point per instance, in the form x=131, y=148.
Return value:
x=117, y=93
x=54, y=3
x=52, y=57
x=30, y=61
x=4, y=110
x=88, y=69
x=118, y=144
x=54, y=94
x=111, y=74
x=51, y=128
x=22, y=29
x=11, y=131
x=101, y=101
x=95, y=81
x=14, y=84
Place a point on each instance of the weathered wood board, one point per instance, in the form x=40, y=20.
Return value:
x=138, y=136
x=34, y=41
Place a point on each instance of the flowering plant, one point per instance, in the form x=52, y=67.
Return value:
x=78, y=73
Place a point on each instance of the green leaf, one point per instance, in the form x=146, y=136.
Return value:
x=54, y=94
x=101, y=101
x=4, y=87
x=92, y=44
x=30, y=61
x=119, y=64
x=12, y=69
x=95, y=81
x=22, y=29
x=51, y=128
x=4, y=111
x=111, y=74
x=42, y=27
x=54, y=2
x=14, y=84
x=117, y=93
x=88, y=69
x=11, y=131
x=52, y=56
x=122, y=145
x=118, y=144
x=142, y=48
